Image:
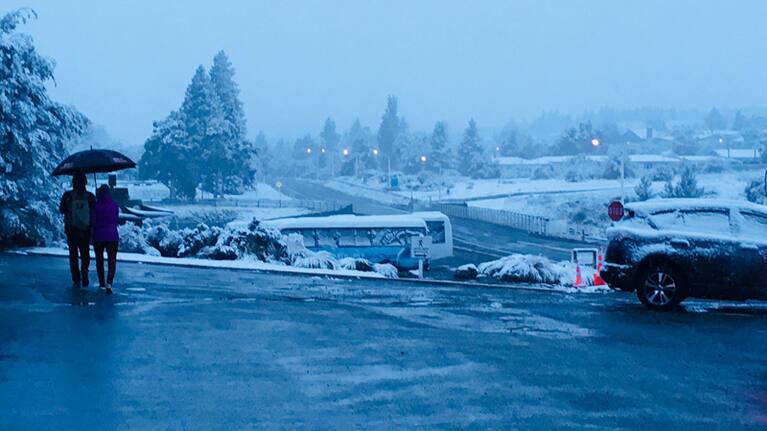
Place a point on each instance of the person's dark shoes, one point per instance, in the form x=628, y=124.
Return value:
x=86, y=282
x=102, y=287
x=76, y=284
x=108, y=289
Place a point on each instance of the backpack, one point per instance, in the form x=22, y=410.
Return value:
x=79, y=211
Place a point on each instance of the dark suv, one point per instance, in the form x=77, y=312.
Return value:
x=671, y=249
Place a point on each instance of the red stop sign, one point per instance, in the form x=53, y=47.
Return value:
x=615, y=210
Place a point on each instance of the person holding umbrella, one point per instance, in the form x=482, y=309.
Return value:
x=81, y=211
x=104, y=218
x=76, y=206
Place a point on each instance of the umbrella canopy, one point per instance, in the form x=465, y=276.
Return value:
x=93, y=161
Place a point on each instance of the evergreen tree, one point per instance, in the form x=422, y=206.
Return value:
x=687, y=187
x=510, y=145
x=222, y=80
x=613, y=168
x=715, y=120
x=439, y=152
x=329, y=140
x=471, y=155
x=169, y=158
x=33, y=133
x=740, y=122
x=359, y=141
x=389, y=130
x=411, y=148
x=262, y=153
x=580, y=140
x=208, y=132
x=240, y=169
x=305, y=154
x=643, y=189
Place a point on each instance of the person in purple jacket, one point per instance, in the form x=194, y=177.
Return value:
x=104, y=215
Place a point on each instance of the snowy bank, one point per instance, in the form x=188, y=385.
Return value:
x=530, y=269
x=251, y=264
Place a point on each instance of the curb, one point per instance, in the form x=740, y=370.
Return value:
x=201, y=263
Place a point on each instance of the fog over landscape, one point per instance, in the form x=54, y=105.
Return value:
x=126, y=64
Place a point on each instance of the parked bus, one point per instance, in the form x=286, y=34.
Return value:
x=441, y=232
x=379, y=239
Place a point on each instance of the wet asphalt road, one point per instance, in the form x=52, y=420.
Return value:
x=186, y=348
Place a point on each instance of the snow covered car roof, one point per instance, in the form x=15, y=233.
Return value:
x=349, y=221
x=655, y=206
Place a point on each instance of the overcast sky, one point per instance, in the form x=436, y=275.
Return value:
x=127, y=63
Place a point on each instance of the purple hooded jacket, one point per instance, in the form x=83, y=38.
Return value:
x=104, y=219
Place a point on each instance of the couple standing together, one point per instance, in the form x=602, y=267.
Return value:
x=88, y=217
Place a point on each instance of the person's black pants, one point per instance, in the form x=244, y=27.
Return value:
x=111, y=249
x=78, y=242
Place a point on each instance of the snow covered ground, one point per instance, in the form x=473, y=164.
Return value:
x=538, y=199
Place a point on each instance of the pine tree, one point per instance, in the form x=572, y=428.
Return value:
x=471, y=154
x=439, y=152
x=389, y=130
x=33, y=133
x=643, y=189
x=169, y=158
x=208, y=132
x=240, y=171
x=329, y=140
x=263, y=155
x=688, y=185
x=222, y=80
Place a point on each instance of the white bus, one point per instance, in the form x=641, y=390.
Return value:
x=379, y=238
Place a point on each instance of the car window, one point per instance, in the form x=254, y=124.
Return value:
x=753, y=226
x=709, y=222
x=667, y=220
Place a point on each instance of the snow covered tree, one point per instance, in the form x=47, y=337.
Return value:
x=411, y=148
x=208, y=131
x=439, y=152
x=740, y=122
x=715, y=120
x=472, y=161
x=33, y=133
x=687, y=187
x=169, y=157
x=643, y=189
x=389, y=130
x=613, y=168
x=263, y=156
x=329, y=140
x=239, y=167
x=579, y=141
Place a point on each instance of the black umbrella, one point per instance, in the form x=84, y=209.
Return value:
x=93, y=161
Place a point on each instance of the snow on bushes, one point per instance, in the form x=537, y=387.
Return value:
x=386, y=269
x=523, y=268
x=258, y=241
x=133, y=240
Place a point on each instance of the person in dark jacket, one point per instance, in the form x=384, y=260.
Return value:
x=104, y=214
x=76, y=207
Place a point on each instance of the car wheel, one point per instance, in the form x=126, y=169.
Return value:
x=660, y=287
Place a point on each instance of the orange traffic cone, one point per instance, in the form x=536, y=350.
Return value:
x=598, y=278
x=578, y=280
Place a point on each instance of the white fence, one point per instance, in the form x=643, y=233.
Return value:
x=526, y=222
